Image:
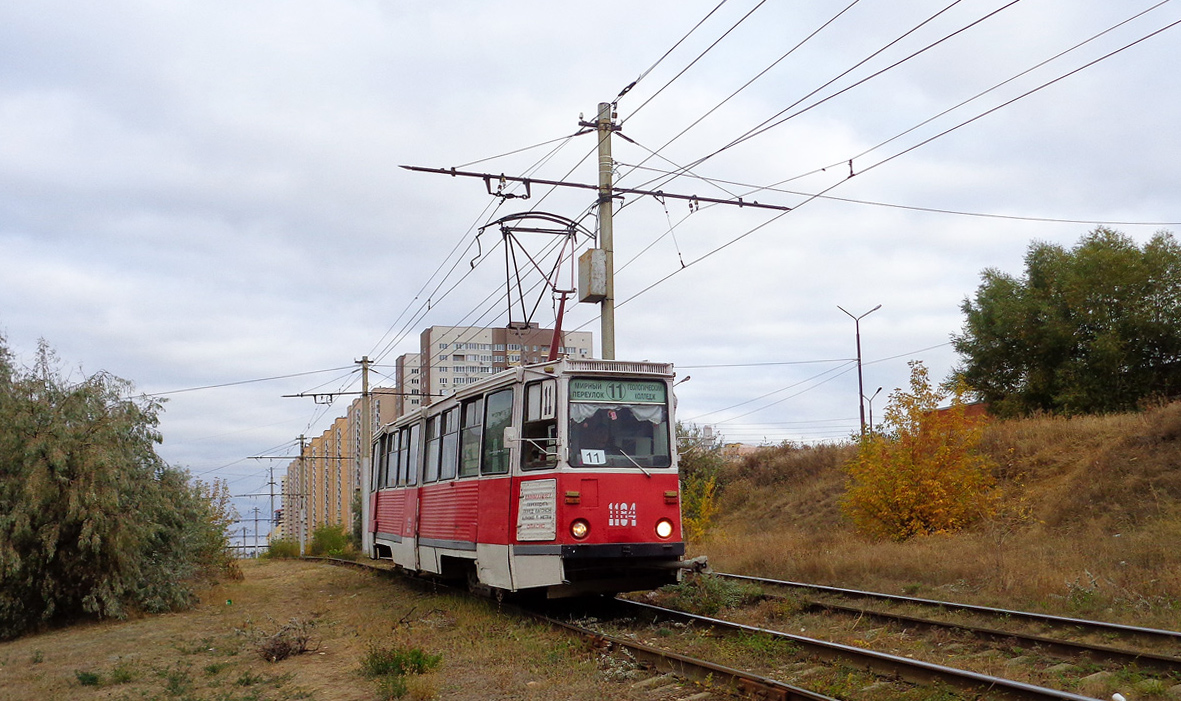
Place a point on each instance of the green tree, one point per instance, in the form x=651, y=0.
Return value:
x=921, y=473
x=1093, y=329
x=92, y=521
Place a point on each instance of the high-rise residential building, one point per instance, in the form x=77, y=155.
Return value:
x=408, y=378
x=453, y=356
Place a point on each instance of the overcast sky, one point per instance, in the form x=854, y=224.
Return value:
x=196, y=194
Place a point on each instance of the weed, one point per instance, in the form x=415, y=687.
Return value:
x=122, y=673
x=88, y=678
x=399, y=661
x=177, y=680
x=390, y=666
x=391, y=687
x=215, y=668
x=248, y=678
x=38, y=657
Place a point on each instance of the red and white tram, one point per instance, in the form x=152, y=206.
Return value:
x=558, y=477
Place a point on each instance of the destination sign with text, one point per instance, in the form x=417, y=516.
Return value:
x=625, y=391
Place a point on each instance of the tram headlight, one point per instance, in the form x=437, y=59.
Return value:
x=579, y=529
x=664, y=528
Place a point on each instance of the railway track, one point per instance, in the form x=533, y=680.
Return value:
x=884, y=665
x=716, y=678
x=1075, y=625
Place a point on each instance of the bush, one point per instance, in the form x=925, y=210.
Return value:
x=330, y=541
x=282, y=548
x=700, y=462
x=92, y=521
x=391, y=665
x=924, y=476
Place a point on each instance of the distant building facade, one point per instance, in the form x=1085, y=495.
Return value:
x=453, y=356
x=321, y=486
x=408, y=378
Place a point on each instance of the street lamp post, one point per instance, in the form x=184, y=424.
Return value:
x=869, y=400
x=860, y=383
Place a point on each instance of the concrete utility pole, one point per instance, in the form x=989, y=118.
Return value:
x=860, y=384
x=605, y=126
x=366, y=450
x=303, y=499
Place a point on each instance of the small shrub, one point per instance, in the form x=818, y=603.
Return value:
x=925, y=475
x=329, y=539
x=706, y=594
x=282, y=548
x=391, y=687
x=399, y=661
x=87, y=678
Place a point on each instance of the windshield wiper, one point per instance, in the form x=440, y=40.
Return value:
x=632, y=460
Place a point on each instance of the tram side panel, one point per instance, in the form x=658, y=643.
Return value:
x=448, y=517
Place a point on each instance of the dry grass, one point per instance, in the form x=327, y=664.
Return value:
x=213, y=652
x=1089, y=524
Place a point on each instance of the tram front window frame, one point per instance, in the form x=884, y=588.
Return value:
x=618, y=423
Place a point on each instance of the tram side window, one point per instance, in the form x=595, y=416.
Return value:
x=498, y=416
x=414, y=457
x=469, y=438
x=378, y=463
x=434, y=441
x=403, y=449
x=450, y=457
x=391, y=460
x=539, y=434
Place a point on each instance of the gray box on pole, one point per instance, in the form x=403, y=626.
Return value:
x=592, y=275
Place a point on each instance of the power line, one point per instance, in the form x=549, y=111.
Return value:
x=916, y=208
x=240, y=382
x=651, y=68
x=695, y=60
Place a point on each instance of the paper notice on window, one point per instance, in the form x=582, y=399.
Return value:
x=537, y=510
x=593, y=457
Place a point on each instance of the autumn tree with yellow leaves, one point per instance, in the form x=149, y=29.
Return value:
x=922, y=474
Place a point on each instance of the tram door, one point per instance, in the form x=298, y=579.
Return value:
x=413, y=478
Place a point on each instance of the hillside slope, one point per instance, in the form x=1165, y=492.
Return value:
x=1089, y=522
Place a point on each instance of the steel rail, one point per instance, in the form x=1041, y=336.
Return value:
x=913, y=671
x=711, y=675
x=1097, y=626
x=1064, y=648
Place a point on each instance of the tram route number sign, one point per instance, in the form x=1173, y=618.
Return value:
x=625, y=391
x=537, y=510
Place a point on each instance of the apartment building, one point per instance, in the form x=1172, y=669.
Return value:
x=321, y=486
x=408, y=378
x=453, y=356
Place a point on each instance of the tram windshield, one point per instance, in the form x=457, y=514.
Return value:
x=619, y=423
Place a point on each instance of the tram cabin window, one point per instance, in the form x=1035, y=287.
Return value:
x=622, y=423
x=539, y=435
x=469, y=437
x=497, y=417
